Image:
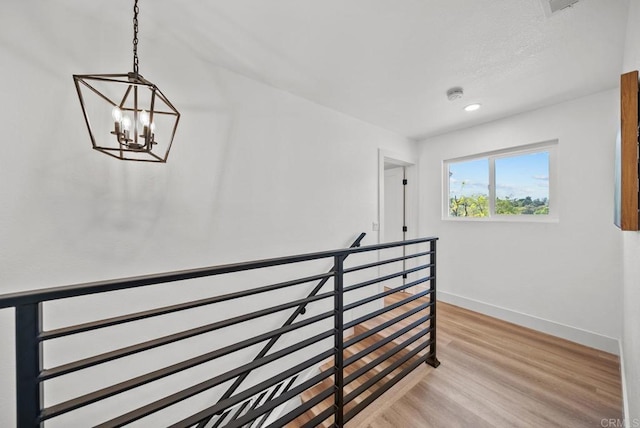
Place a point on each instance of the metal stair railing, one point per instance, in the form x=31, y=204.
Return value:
x=300, y=310
x=311, y=341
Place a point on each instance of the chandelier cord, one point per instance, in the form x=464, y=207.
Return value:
x=136, y=11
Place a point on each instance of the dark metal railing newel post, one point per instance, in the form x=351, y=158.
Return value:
x=339, y=340
x=433, y=358
x=28, y=364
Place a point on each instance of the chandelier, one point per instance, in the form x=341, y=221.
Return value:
x=127, y=116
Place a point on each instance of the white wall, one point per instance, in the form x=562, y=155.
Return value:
x=631, y=248
x=562, y=278
x=255, y=172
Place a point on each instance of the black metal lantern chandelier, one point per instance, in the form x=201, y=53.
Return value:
x=131, y=119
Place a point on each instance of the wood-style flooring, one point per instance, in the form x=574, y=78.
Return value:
x=496, y=374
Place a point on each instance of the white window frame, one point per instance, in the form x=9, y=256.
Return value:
x=546, y=146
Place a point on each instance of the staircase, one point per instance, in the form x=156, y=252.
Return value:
x=365, y=367
x=382, y=347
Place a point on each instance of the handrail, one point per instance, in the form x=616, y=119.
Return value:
x=411, y=342
x=300, y=310
x=54, y=293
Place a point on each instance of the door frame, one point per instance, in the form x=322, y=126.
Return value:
x=411, y=200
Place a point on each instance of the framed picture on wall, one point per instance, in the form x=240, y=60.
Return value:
x=627, y=180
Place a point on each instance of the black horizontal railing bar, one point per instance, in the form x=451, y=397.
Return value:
x=55, y=293
x=290, y=383
x=239, y=411
x=136, y=382
x=203, y=414
x=387, y=261
x=383, y=373
x=380, y=343
x=267, y=407
x=221, y=419
x=271, y=396
x=331, y=367
x=174, y=398
x=384, y=357
x=255, y=401
x=145, y=346
x=386, y=293
x=384, y=388
x=385, y=278
x=265, y=416
x=385, y=309
x=304, y=407
x=315, y=422
x=108, y=322
x=254, y=404
x=279, y=423
x=386, y=324
x=299, y=311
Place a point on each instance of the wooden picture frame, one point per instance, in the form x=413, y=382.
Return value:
x=627, y=177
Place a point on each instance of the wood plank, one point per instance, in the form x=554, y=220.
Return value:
x=629, y=151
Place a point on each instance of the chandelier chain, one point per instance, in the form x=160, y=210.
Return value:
x=136, y=11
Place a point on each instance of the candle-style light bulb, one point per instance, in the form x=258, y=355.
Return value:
x=126, y=126
x=116, y=113
x=152, y=131
x=144, y=118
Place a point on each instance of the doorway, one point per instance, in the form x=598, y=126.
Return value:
x=397, y=212
x=395, y=203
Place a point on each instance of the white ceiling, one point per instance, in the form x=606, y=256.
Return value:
x=390, y=62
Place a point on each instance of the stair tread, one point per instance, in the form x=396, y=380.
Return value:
x=366, y=359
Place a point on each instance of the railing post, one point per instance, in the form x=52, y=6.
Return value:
x=28, y=364
x=432, y=360
x=339, y=341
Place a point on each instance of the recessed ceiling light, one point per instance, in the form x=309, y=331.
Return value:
x=472, y=107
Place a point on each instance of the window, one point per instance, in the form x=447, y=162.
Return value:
x=513, y=184
x=469, y=188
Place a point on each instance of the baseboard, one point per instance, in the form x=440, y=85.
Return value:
x=584, y=337
x=625, y=397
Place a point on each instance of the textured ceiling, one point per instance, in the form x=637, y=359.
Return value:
x=390, y=62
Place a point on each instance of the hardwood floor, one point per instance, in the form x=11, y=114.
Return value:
x=496, y=374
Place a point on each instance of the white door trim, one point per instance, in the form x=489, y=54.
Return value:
x=387, y=157
x=411, y=197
